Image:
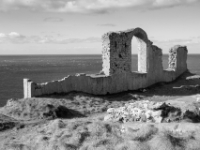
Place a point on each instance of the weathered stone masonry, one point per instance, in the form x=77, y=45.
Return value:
x=116, y=74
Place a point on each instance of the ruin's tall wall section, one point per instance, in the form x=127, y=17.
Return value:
x=116, y=53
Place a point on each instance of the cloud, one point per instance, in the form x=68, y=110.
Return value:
x=18, y=38
x=193, y=40
x=107, y=25
x=53, y=19
x=13, y=37
x=89, y=6
x=2, y=35
x=69, y=40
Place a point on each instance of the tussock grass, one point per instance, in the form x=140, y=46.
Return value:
x=160, y=142
x=133, y=145
x=142, y=134
x=92, y=134
x=171, y=140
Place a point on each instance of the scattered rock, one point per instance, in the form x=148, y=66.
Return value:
x=198, y=99
x=143, y=90
x=136, y=96
x=193, y=77
x=157, y=112
x=188, y=87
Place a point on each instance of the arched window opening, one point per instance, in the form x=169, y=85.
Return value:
x=139, y=54
x=134, y=54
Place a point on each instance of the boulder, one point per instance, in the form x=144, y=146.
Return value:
x=156, y=112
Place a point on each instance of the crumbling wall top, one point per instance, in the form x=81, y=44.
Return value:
x=139, y=33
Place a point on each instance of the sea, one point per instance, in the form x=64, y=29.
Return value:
x=43, y=68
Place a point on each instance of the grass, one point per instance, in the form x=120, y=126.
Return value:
x=94, y=134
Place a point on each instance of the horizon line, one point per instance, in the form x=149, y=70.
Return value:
x=75, y=54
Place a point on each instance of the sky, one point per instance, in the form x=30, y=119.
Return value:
x=76, y=26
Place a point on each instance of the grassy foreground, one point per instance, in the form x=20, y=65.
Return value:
x=93, y=133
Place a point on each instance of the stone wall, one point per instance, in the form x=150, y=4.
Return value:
x=117, y=51
x=116, y=74
x=177, y=63
x=155, y=67
x=177, y=59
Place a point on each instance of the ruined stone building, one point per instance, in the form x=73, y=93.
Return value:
x=116, y=74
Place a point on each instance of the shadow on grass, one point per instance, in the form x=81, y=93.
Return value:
x=62, y=112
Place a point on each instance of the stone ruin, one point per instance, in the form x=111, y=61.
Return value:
x=116, y=74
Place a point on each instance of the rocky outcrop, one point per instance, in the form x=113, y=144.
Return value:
x=156, y=112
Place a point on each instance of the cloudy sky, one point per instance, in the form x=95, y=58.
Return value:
x=76, y=26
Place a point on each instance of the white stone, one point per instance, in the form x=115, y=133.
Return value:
x=111, y=110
